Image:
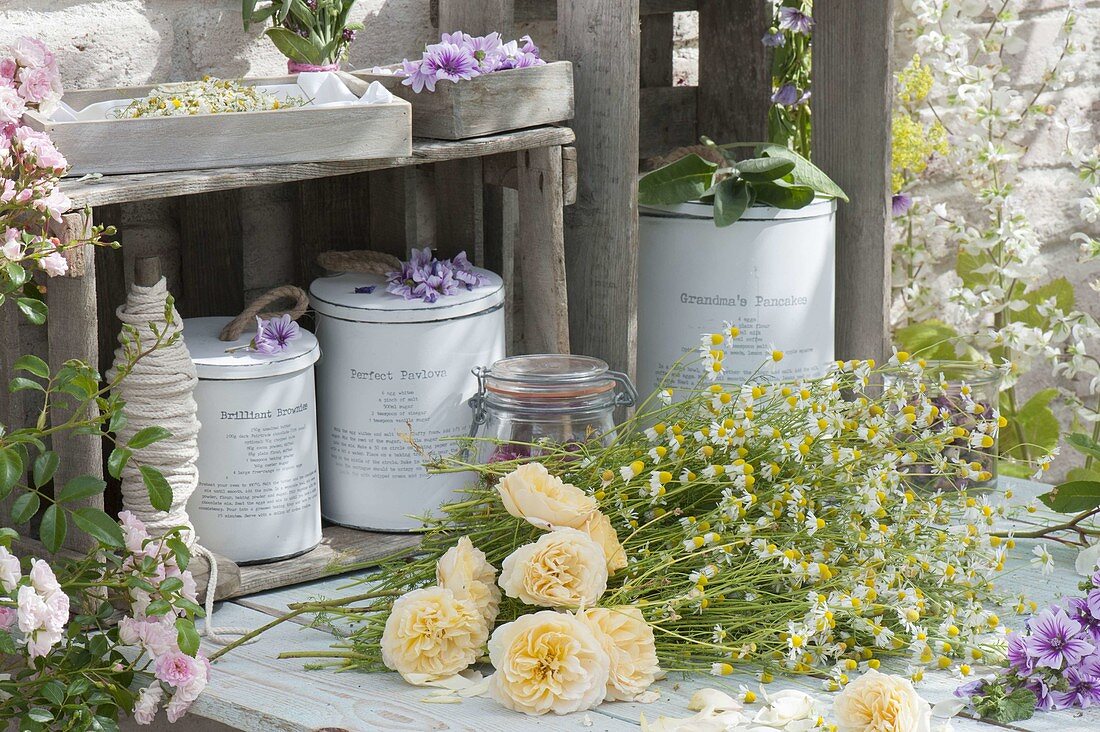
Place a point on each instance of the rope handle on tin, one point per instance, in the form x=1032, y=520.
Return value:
x=232, y=331
x=365, y=261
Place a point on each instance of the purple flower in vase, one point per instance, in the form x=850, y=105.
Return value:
x=348, y=35
x=1056, y=639
x=418, y=76
x=774, y=39
x=1092, y=600
x=796, y=21
x=900, y=204
x=530, y=47
x=1083, y=691
x=1018, y=657
x=274, y=335
x=482, y=47
x=507, y=453
x=450, y=61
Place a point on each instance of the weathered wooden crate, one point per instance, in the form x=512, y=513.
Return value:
x=503, y=100
x=299, y=135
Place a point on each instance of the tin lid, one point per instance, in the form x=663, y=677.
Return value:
x=336, y=297
x=700, y=210
x=212, y=361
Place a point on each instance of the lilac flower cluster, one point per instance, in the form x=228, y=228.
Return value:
x=423, y=277
x=460, y=56
x=1057, y=657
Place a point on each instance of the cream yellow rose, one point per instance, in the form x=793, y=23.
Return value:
x=530, y=492
x=881, y=703
x=628, y=641
x=547, y=662
x=599, y=529
x=431, y=634
x=464, y=571
x=563, y=569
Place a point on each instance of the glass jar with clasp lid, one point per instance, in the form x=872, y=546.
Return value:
x=545, y=401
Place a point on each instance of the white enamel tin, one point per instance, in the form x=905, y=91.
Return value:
x=258, y=497
x=771, y=274
x=394, y=369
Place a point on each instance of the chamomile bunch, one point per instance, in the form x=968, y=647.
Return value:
x=813, y=526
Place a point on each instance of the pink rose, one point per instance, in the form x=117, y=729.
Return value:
x=42, y=578
x=54, y=204
x=40, y=146
x=133, y=531
x=12, y=105
x=186, y=674
x=11, y=246
x=54, y=264
x=8, y=67
x=7, y=190
x=35, y=84
x=32, y=52
x=177, y=707
x=41, y=619
x=148, y=701
x=8, y=616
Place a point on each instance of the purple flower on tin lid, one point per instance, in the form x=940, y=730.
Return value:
x=274, y=335
x=426, y=278
x=366, y=289
x=796, y=21
x=774, y=39
x=901, y=203
x=1056, y=639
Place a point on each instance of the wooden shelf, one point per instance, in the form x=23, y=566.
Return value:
x=111, y=189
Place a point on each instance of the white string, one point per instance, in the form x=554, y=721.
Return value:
x=159, y=391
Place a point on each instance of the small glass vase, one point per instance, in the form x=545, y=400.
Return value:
x=967, y=394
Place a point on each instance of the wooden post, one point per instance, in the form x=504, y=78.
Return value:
x=734, y=71
x=541, y=256
x=477, y=17
x=73, y=334
x=851, y=110
x=601, y=38
x=459, y=200
x=331, y=214
x=211, y=254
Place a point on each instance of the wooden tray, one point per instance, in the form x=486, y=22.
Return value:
x=157, y=144
x=504, y=100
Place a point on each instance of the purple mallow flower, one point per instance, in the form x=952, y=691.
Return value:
x=901, y=203
x=796, y=21
x=774, y=39
x=1056, y=640
x=1083, y=691
x=787, y=96
x=274, y=335
x=423, y=277
x=1017, y=655
x=460, y=56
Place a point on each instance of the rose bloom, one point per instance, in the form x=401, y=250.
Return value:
x=54, y=264
x=32, y=52
x=785, y=707
x=8, y=67
x=599, y=529
x=881, y=703
x=35, y=84
x=628, y=641
x=431, y=634
x=148, y=701
x=10, y=574
x=464, y=571
x=530, y=492
x=547, y=662
x=12, y=106
x=563, y=569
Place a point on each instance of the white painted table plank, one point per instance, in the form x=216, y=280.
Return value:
x=253, y=690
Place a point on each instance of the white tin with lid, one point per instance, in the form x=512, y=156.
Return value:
x=258, y=497
x=771, y=274
x=395, y=370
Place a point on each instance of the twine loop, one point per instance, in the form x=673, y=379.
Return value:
x=233, y=329
x=364, y=261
